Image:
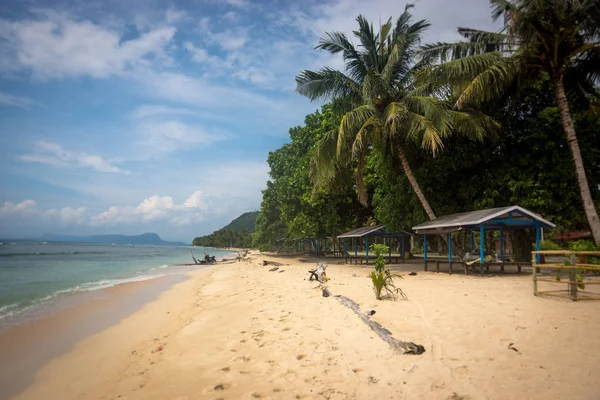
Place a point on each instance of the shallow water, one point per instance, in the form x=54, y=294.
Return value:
x=35, y=276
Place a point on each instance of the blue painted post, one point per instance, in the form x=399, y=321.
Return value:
x=402, y=246
x=355, y=248
x=501, y=245
x=481, y=247
x=367, y=250
x=472, y=240
x=538, y=244
x=425, y=251
x=450, y=247
x=345, y=246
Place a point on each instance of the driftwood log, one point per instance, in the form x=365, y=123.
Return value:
x=398, y=345
x=318, y=273
x=207, y=259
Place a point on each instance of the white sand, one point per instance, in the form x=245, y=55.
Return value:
x=240, y=332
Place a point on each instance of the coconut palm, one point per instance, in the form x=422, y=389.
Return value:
x=384, y=109
x=540, y=39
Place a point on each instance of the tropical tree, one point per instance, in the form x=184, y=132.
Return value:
x=554, y=39
x=383, y=108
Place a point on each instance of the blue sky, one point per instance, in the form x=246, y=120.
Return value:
x=152, y=116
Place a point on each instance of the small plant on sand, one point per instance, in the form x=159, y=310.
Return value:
x=383, y=280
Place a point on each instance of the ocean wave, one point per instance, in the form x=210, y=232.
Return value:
x=11, y=310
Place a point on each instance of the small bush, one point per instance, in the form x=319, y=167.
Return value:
x=549, y=245
x=382, y=278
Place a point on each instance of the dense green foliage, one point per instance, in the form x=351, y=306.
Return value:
x=291, y=208
x=385, y=110
x=555, y=40
x=235, y=234
x=525, y=160
x=245, y=222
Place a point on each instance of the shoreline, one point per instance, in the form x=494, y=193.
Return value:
x=240, y=331
x=28, y=345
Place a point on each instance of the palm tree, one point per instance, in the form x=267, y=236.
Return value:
x=553, y=39
x=383, y=108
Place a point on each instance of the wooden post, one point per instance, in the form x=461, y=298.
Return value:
x=533, y=264
x=389, y=249
x=355, y=247
x=481, y=248
x=402, y=236
x=502, y=246
x=450, y=253
x=437, y=266
x=367, y=250
x=573, y=278
x=538, y=247
x=425, y=251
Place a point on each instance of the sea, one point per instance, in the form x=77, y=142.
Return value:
x=36, y=276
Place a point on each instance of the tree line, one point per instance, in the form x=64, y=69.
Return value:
x=413, y=131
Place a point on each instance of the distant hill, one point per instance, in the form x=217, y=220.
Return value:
x=246, y=221
x=145, y=238
x=235, y=234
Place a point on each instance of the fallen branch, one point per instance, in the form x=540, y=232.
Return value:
x=194, y=258
x=397, y=345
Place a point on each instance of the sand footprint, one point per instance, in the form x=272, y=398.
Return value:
x=460, y=372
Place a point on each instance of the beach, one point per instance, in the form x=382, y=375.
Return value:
x=240, y=331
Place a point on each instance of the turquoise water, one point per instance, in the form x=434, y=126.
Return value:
x=34, y=273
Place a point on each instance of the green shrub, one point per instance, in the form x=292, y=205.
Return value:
x=382, y=278
x=549, y=245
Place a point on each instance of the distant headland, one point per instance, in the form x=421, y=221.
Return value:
x=145, y=238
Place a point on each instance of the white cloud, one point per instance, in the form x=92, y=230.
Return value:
x=237, y=3
x=28, y=208
x=230, y=16
x=182, y=88
x=172, y=16
x=149, y=110
x=7, y=99
x=55, y=46
x=167, y=136
x=230, y=39
x=445, y=16
x=55, y=155
x=25, y=206
x=68, y=215
x=157, y=208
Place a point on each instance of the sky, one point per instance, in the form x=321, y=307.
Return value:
x=134, y=116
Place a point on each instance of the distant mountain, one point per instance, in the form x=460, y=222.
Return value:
x=236, y=234
x=146, y=238
x=246, y=221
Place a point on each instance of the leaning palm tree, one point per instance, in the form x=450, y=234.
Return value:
x=553, y=39
x=383, y=108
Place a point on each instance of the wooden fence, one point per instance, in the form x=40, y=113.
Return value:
x=578, y=269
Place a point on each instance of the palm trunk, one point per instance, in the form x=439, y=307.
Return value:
x=584, y=187
x=414, y=183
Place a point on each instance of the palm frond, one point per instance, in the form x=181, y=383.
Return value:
x=326, y=84
x=434, y=110
x=337, y=42
x=420, y=127
x=444, y=52
x=352, y=124
x=473, y=124
x=489, y=84
x=485, y=37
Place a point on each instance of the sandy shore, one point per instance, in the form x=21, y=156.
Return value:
x=237, y=331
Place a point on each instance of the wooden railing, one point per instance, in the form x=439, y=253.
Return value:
x=576, y=272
